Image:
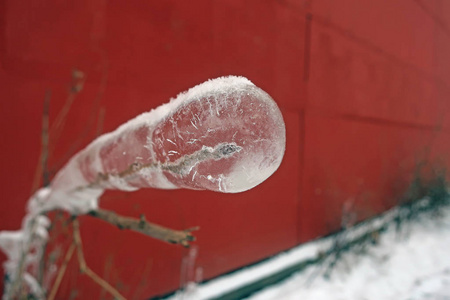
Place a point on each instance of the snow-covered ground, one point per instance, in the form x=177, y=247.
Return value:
x=410, y=264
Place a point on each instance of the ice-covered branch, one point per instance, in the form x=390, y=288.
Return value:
x=224, y=135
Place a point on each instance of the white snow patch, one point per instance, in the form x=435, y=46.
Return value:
x=409, y=267
x=401, y=267
x=227, y=283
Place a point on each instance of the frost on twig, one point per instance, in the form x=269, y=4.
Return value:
x=224, y=135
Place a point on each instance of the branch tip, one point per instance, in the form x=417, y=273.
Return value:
x=141, y=225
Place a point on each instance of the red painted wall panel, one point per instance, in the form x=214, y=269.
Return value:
x=442, y=60
x=379, y=26
x=363, y=87
x=368, y=164
x=438, y=11
x=368, y=84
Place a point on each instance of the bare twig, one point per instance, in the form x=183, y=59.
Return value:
x=182, y=237
x=45, y=140
x=42, y=167
x=84, y=268
x=42, y=171
x=95, y=111
x=76, y=86
x=106, y=274
x=100, y=121
x=61, y=272
x=78, y=79
x=140, y=225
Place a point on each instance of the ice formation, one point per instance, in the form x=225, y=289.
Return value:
x=24, y=249
x=224, y=135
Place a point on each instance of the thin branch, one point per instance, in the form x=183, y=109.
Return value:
x=84, y=267
x=45, y=139
x=100, y=121
x=42, y=167
x=42, y=171
x=180, y=166
x=41, y=267
x=95, y=111
x=78, y=79
x=103, y=283
x=61, y=272
x=182, y=237
x=78, y=243
x=107, y=270
x=54, y=131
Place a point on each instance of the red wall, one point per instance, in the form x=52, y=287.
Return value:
x=364, y=87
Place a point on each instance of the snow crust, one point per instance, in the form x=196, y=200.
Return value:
x=415, y=266
x=411, y=265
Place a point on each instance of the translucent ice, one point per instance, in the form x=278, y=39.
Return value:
x=223, y=135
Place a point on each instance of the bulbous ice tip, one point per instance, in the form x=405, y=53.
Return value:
x=232, y=131
x=263, y=146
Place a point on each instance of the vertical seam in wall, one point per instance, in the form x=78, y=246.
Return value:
x=307, y=52
x=3, y=12
x=436, y=19
x=302, y=122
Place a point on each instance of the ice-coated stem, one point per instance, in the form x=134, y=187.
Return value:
x=224, y=135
